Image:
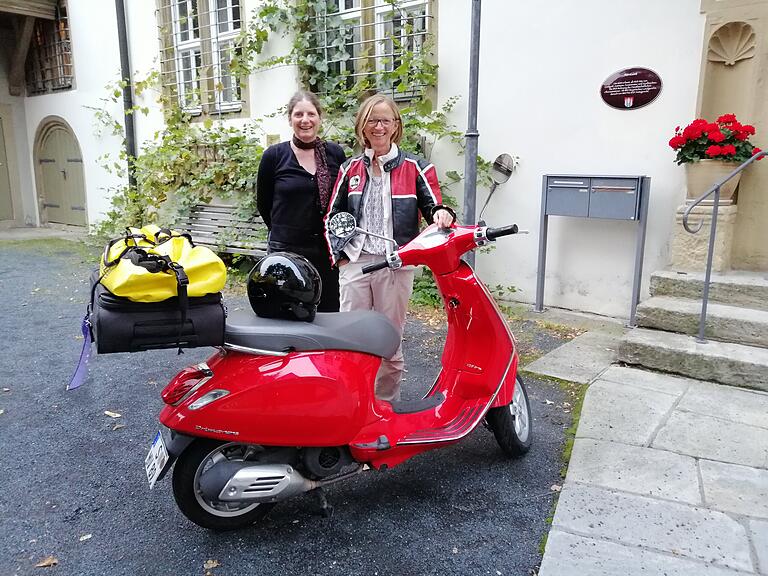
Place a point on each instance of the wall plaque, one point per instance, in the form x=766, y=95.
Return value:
x=631, y=88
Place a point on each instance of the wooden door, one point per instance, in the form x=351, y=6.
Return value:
x=61, y=169
x=6, y=206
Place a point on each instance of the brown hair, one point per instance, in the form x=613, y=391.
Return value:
x=304, y=95
x=364, y=112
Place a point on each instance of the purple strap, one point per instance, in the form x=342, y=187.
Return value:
x=85, y=355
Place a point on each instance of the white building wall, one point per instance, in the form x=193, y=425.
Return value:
x=541, y=68
x=96, y=59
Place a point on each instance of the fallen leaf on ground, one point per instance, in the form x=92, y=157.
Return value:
x=47, y=563
x=548, y=402
x=85, y=537
x=112, y=414
x=6, y=389
x=555, y=487
x=211, y=564
x=118, y=426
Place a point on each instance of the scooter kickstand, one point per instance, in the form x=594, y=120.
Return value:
x=325, y=509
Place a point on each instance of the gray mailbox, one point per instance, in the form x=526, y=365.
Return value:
x=611, y=197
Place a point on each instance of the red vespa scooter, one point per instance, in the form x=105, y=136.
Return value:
x=287, y=407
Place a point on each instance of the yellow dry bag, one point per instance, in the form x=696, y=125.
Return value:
x=152, y=264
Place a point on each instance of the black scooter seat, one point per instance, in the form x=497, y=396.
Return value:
x=360, y=331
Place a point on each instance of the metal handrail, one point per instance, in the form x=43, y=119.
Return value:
x=716, y=204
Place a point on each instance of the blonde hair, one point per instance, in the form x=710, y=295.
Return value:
x=364, y=113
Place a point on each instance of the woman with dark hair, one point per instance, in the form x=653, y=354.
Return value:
x=293, y=188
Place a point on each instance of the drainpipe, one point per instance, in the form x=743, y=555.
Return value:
x=472, y=135
x=125, y=74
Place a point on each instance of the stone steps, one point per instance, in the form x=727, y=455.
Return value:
x=725, y=322
x=723, y=362
x=744, y=289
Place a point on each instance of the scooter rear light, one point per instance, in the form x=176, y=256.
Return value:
x=185, y=383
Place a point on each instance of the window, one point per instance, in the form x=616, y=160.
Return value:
x=369, y=39
x=49, y=59
x=197, y=39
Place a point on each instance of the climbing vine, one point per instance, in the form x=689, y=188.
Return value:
x=190, y=162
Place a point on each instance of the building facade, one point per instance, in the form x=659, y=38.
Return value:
x=541, y=69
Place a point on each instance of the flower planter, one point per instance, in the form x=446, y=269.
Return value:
x=704, y=174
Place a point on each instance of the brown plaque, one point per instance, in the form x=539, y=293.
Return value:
x=631, y=88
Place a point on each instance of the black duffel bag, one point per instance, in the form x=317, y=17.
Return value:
x=121, y=325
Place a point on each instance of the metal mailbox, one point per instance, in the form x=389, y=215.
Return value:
x=593, y=197
x=567, y=196
x=590, y=196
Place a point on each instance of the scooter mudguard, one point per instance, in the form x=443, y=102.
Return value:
x=300, y=399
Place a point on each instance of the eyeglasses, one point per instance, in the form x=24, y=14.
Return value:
x=386, y=122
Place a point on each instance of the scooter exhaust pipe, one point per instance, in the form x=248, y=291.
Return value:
x=259, y=483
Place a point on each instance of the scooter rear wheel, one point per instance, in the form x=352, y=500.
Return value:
x=212, y=514
x=512, y=424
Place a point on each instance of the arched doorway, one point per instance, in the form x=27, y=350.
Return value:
x=59, y=172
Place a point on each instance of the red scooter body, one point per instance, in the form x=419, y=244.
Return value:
x=254, y=426
x=325, y=397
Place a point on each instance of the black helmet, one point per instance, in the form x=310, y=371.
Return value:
x=284, y=285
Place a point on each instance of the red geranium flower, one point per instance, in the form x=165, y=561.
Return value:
x=677, y=141
x=726, y=139
x=726, y=119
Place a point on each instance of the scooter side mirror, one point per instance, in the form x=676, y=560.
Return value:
x=342, y=225
x=501, y=170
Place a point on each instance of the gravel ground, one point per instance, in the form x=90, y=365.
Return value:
x=75, y=489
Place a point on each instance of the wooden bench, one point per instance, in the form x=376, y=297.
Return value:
x=220, y=228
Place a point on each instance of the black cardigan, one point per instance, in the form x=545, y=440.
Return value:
x=287, y=197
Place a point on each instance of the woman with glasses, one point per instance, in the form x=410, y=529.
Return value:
x=386, y=190
x=293, y=188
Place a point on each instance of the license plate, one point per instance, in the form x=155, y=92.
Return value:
x=155, y=460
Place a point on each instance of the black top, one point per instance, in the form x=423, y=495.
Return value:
x=287, y=198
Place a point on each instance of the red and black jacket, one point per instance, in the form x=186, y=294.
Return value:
x=414, y=186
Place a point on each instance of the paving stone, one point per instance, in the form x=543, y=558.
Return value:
x=671, y=527
x=568, y=554
x=579, y=360
x=714, y=439
x=734, y=488
x=635, y=469
x=759, y=530
x=655, y=381
x=736, y=404
x=622, y=413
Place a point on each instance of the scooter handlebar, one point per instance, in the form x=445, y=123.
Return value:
x=493, y=233
x=375, y=266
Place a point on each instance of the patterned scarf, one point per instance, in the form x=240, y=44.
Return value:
x=322, y=176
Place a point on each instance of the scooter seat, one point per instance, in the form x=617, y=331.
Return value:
x=360, y=331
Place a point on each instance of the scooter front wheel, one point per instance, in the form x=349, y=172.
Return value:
x=206, y=512
x=512, y=424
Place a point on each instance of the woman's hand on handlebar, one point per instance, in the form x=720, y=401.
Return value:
x=443, y=218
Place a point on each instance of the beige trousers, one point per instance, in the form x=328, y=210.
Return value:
x=385, y=291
